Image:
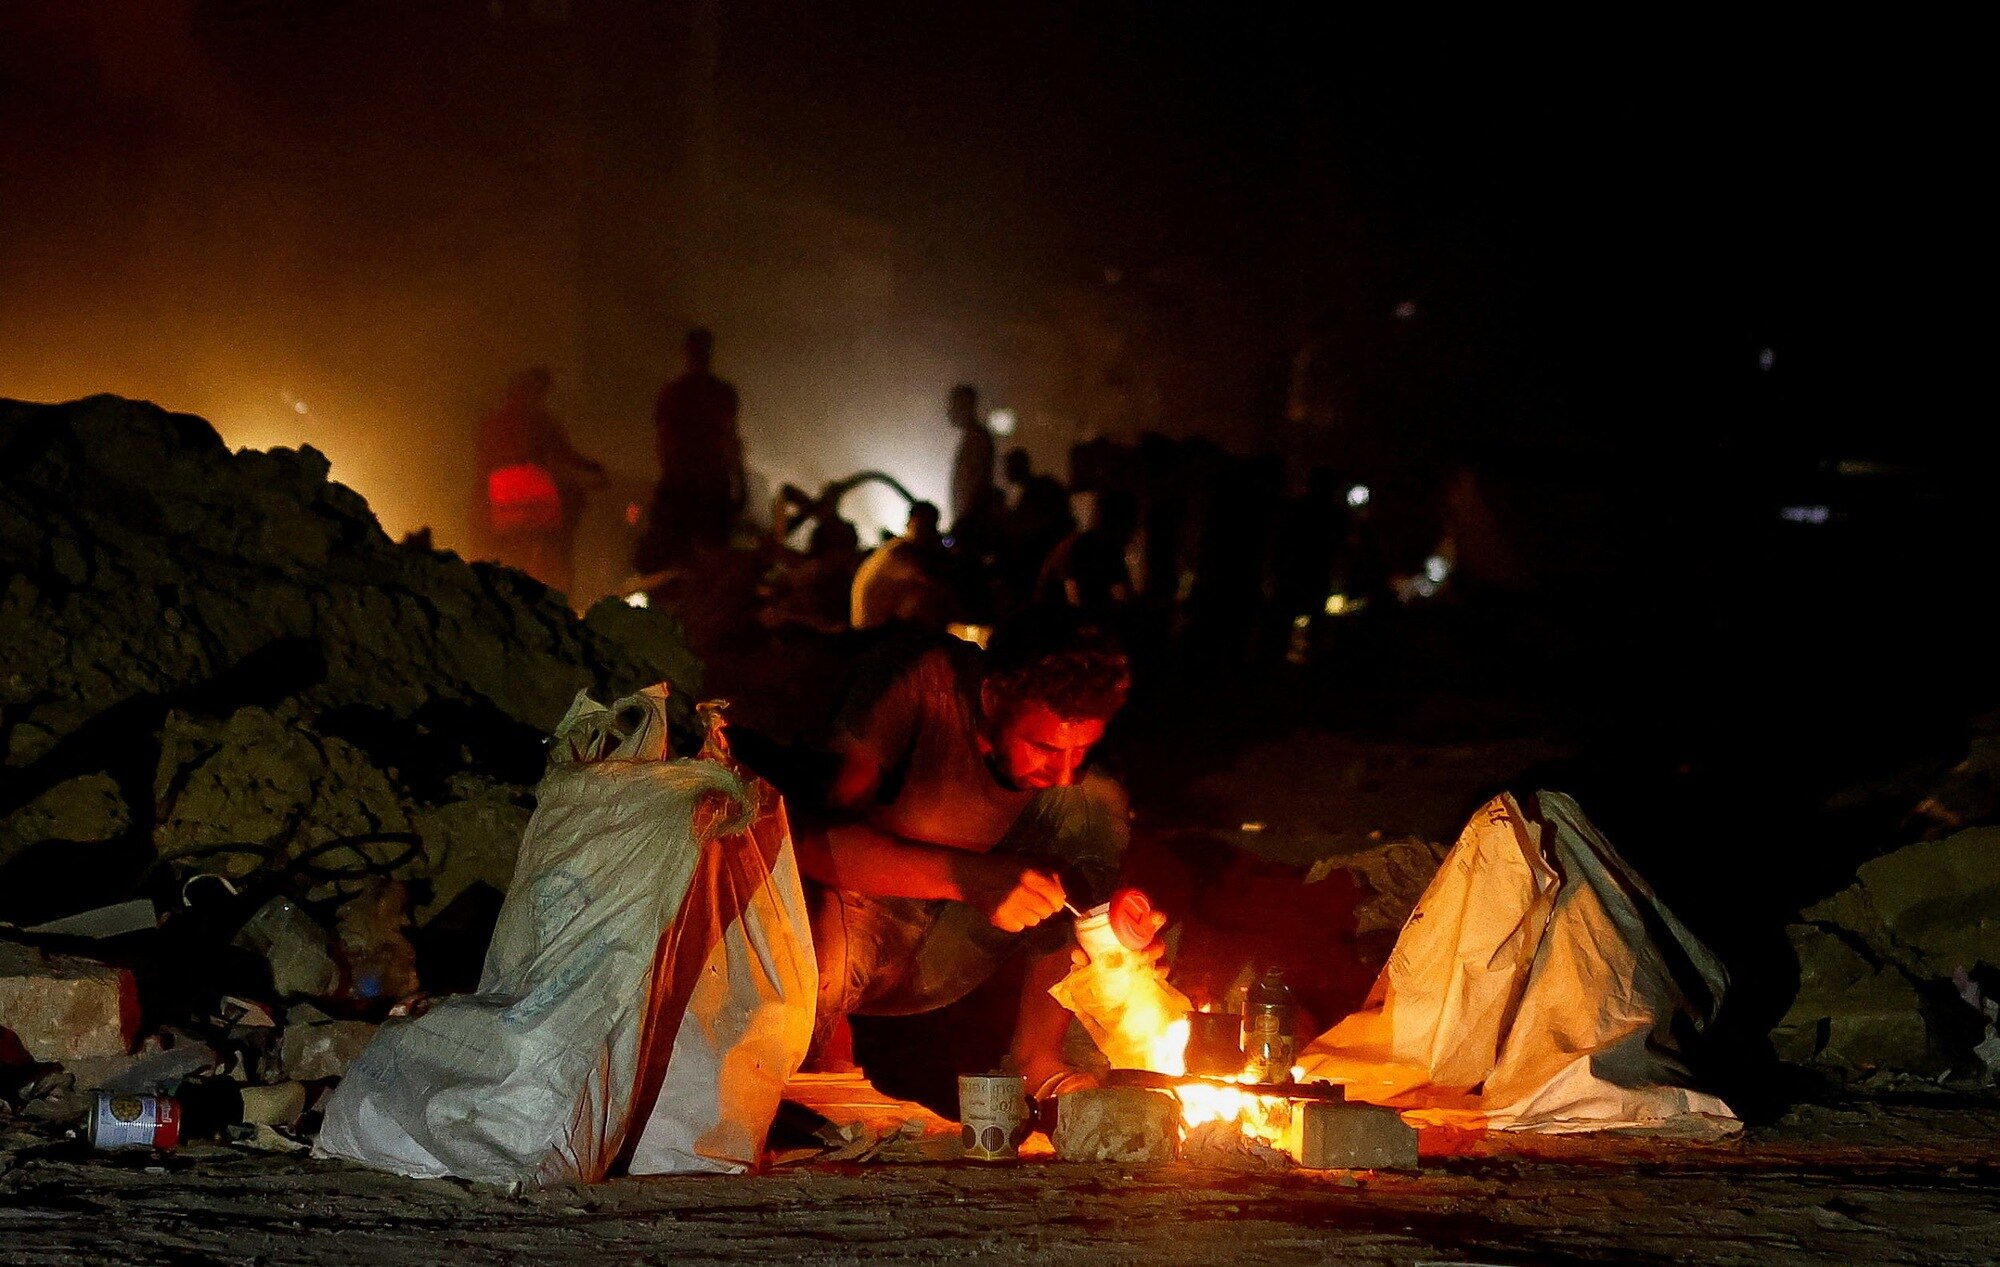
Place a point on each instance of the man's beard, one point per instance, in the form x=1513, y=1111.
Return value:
x=998, y=769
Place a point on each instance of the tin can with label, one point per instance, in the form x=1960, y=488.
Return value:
x=120, y=1120
x=994, y=1111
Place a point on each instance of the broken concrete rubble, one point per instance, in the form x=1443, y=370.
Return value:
x=1852, y=1014
x=161, y=1060
x=371, y=929
x=201, y=649
x=1929, y=906
x=315, y=1046
x=296, y=949
x=55, y=1008
x=215, y=664
x=1877, y=959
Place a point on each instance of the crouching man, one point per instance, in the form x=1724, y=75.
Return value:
x=964, y=822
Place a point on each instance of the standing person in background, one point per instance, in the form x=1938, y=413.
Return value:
x=1087, y=569
x=701, y=487
x=533, y=482
x=976, y=505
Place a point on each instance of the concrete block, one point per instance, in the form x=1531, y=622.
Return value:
x=1128, y=1125
x=1355, y=1137
x=57, y=1008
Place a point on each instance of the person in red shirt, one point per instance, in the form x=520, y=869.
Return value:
x=532, y=482
x=701, y=486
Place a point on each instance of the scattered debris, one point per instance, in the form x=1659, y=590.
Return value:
x=246, y=741
x=280, y=1105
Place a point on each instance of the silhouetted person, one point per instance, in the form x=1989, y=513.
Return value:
x=701, y=484
x=976, y=505
x=533, y=482
x=906, y=578
x=1036, y=523
x=1311, y=530
x=1227, y=604
x=1306, y=546
x=1087, y=570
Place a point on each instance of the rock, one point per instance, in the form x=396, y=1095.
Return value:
x=104, y=921
x=1969, y=793
x=88, y=808
x=264, y=778
x=57, y=1008
x=1355, y=1137
x=1394, y=875
x=280, y=1105
x=315, y=1049
x=297, y=949
x=1873, y=956
x=470, y=841
x=1851, y=1013
x=1127, y=1125
x=1933, y=906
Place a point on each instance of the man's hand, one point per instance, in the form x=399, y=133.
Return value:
x=1011, y=896
x=1150, y=954
x=1139, y=926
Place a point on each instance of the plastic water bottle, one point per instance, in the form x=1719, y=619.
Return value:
x=1270, y=1022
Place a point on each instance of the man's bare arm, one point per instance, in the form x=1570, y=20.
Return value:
x=1010, y=894
x=859, y=775
x=1039, y=1029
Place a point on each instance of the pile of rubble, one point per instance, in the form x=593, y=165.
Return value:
x=254, y=755
x=1899, y=973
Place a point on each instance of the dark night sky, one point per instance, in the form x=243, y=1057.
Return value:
x=1601, y=223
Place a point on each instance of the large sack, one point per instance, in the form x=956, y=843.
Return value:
x=1538, y=985
x=648, y=991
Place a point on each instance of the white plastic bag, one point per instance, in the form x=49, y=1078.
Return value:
x=1538, y=985
x=648, y=991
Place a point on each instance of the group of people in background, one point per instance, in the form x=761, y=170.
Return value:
x=1176, y=533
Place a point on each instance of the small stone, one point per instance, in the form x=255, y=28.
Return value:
x=324, y=1050
x=281, y=1105
x=1127, y=1125
x=297, y=949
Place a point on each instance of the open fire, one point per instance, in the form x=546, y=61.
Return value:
x=1261, y=1117
x=1141, y=1022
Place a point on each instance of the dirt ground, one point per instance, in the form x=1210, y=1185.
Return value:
x=1871, y=1182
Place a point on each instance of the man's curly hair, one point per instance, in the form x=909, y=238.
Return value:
x=1072, y=665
